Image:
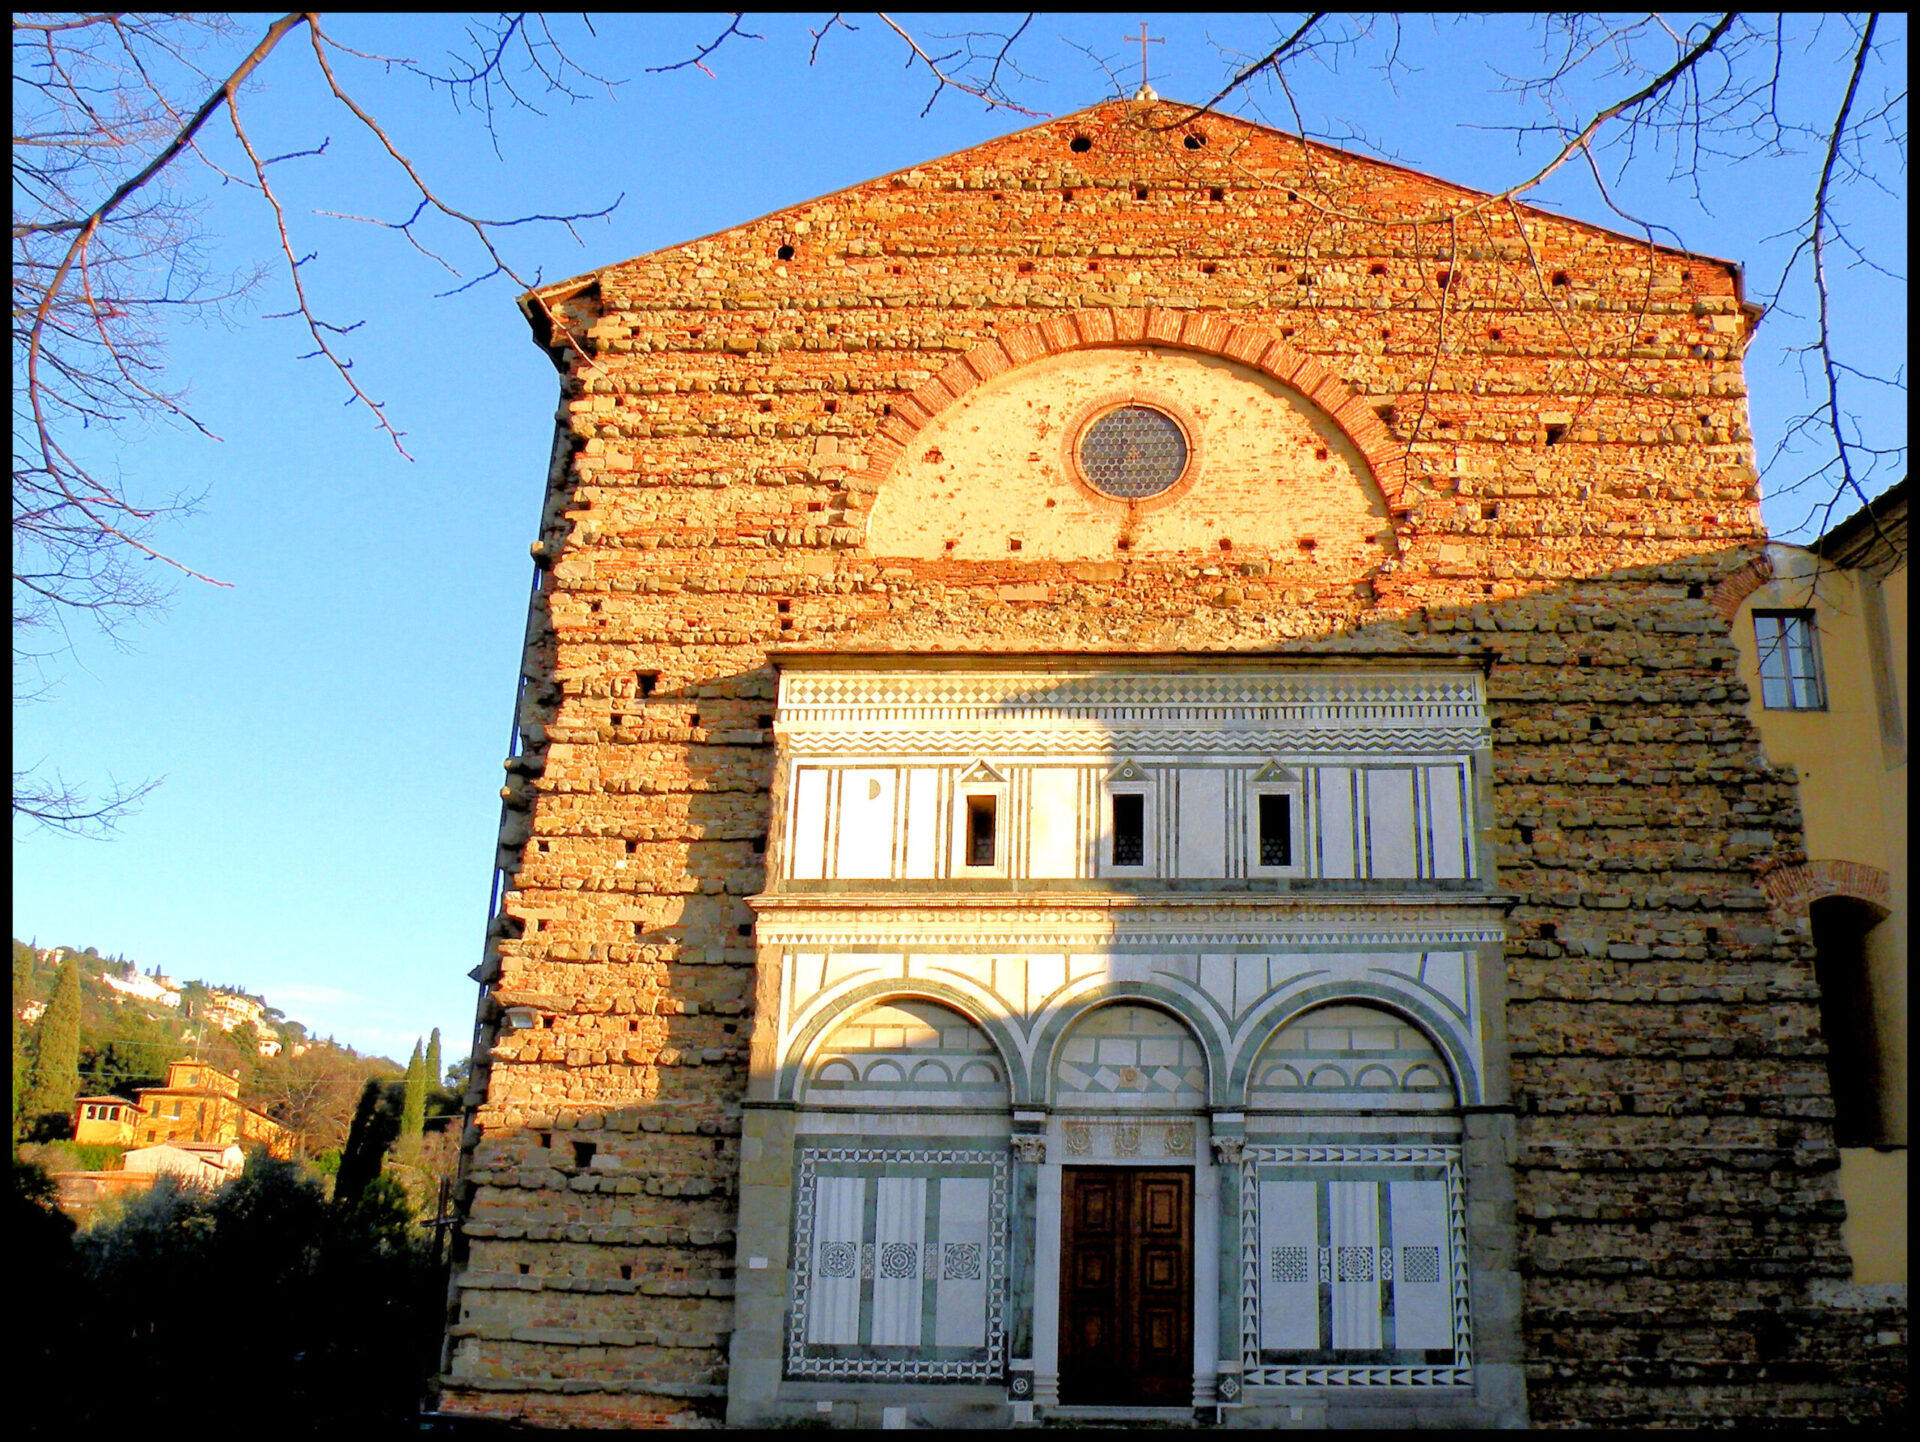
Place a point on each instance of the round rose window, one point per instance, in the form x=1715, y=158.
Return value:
x=1133, y=452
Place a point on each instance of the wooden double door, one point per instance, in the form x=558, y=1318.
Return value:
x=1126, y=1286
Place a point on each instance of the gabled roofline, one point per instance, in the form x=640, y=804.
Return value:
x=562, y=289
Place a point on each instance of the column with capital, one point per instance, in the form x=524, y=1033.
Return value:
x=1029, y=1143
x=1229, y=1146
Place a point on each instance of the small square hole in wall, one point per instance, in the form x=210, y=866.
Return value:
x=1594, y=723
x=1526, y=835
x=546, y=1140
x=525, y=1269
x=783, y=607
x=1489, y=510
x=1496, y=335
x=618, y=719
x=645, y=681
x=626, y=1272
x=1286, y=333
x=743, y=929
x=1585, y=660
x=1124, y=544
x=1555, y=434
x=594, y=607
x=1549, y=932
x=1376, y=269
x=632, y=847
x=1386, y=333
x=1560, y=278
x=759, y=846
x=1713, y=935
x=1226, y=543
x=814, y=507
x=542, y=847
x=633, y=1026
x=952, y=544
x=1696, y=591
x=1217, y=193
x=1209, y=269
x=1013, y=543
x=1067, y=195
x=764, y=721
x=1026, y=267
x=693, y=720
x=1093, y=265
x=583, y=1153
x=1306, y=543
x=833, y=408
x=1293, y=195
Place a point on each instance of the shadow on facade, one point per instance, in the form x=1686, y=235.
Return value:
x=1636, y=1079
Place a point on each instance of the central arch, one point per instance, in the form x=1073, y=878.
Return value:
x=1209, y=333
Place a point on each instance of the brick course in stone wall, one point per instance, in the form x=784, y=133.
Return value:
x=1557, y=416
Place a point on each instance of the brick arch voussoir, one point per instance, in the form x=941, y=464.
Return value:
x=1208, y=332
x=1727, y=596
x=1796, y=888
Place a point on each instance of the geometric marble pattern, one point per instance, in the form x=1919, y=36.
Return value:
x=1130, y=1055
x=929, y=1227
x=1408, y=1174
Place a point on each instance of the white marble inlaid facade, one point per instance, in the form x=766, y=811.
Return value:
x=1379, y=775
x=1057, y=917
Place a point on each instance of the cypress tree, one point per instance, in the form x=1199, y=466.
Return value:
x=413, y=1110
x=55, y=1079
x=436, y=1078
x=376, y=1121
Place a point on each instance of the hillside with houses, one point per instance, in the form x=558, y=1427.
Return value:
x=138, y=1075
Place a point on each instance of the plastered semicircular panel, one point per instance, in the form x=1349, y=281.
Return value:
x=1272, y=471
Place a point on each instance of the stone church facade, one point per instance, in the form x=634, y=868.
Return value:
x=1131, y=801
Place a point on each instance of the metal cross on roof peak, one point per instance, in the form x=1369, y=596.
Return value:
x=1143, y=40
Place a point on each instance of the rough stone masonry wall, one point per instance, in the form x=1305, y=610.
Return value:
x=1563, y=416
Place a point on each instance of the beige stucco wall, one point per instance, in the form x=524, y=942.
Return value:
x=1272, y=475
x=1851, y=761
x=1874, y=1184
x=1834, y=751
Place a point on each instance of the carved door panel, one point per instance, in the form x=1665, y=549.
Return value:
x=1126, y=1287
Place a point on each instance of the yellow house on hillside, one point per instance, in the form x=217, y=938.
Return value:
x=105, y=1120
x=201, y=1104
x=1822, y=632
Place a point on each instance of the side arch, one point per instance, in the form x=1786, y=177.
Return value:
x=1445, y=1035
x=806, y=1043
x=1796, y=888
x=1208, y=332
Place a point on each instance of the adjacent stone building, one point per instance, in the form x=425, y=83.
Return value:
x=1133, y=798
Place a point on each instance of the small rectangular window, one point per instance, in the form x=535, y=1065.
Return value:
x=980, y=818
x=1789, y=661
x=1129, y=831
x=1276, y=831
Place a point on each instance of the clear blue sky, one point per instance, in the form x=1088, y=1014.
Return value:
x=329, y=725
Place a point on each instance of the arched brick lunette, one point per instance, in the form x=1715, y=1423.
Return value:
x=1796, y=888
x=1208, y=332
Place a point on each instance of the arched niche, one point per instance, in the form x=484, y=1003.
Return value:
x=1353, y=1060
x=905, y=1052
x=1127, y=1057
x=1271, y=471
